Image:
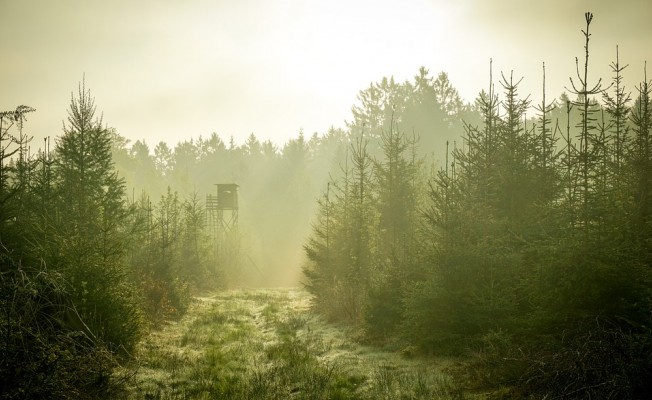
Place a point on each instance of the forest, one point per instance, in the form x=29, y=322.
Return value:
x=511, y=236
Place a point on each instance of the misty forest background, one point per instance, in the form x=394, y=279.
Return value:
x=515, y=235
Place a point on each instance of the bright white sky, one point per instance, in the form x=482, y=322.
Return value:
x=171, y=70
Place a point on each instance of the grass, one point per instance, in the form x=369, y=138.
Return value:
x=265, y=344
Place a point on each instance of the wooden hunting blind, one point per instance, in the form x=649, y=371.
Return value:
x=227, y=196
x=222, y=208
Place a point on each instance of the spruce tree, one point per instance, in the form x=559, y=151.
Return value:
x=618, y=109
x=397, y=202
x=90, y=242
x=639, y=156
x=12, y=176
x=588, y=141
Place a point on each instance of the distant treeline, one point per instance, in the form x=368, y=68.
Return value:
x=278, y=185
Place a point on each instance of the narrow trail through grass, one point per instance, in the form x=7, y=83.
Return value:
x=266, y=344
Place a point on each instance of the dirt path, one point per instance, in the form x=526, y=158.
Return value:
x=266, y=344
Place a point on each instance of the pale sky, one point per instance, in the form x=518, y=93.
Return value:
x=170, y=70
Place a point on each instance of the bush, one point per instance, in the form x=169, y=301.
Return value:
x=42, y=355
x=164, y=298
x=599, y=360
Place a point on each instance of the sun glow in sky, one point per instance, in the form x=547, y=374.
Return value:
x=174, y=70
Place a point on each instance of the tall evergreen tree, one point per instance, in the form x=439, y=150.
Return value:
x=640, y=163
x=91, y=213
x=396, y=187
x=12, y=175
x=617, y=107
x=589, y=146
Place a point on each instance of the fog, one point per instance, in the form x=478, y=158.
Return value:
x=399, y=180
x=173, y=70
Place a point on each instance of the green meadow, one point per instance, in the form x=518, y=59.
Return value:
x=266, y=344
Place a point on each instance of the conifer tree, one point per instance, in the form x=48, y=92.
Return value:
x=546, y=138
x=640, y=163
x=194, y=247
x=397, y=201
x=91, y=213
x=341, y=249
x=588, y=141
x=360, y=216
x=12, y=177
x=617, y=108
x=324, y=249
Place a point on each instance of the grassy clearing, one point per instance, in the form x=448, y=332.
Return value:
x=265, y=344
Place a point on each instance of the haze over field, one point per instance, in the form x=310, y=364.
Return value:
x=168, y=70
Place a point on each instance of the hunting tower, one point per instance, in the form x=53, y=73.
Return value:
x=222, y=209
